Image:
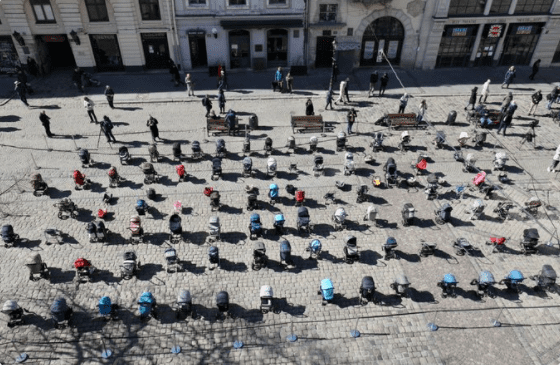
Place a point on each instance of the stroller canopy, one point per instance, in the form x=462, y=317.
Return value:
x=350, y=240
x=104, y=305
x=7, y=231
x=379, y=137
x=271, y=162
x=216, y=163
x=516, y=276
x=303, y=212
x=213, y=251
x=432, y=179
x=214, y=221
x=222, y=298
x=402, y=280
x=175, y=222
x=391, y=166
x=486, y=277
x=146, y=298
x=247, y=163
x=279, y=218
x=315, y=245
x=184, y=297
x=84, y=154
x=449, y=279
x=176, y=148
x=340, y=213
x=123, y=151
x=268, y=142
x=367, y=283
x=259, y=246
x=9, y=306
x=318, y=160
x=129, y=256
x=531, y=234
x=548, y=272
x=195, y=146
x=266, y=291
x=59, y=305
x=327, y=288
x=255, y=218
x=220, y=143
x=446, y=208
x=391, y=242
x=147, y=167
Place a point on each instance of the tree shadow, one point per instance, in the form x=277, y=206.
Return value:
x=421, y=296
x=227, y=265
x=84, y=322
x=166, y=314
x=10, y=118
x=148, y=271
x=59, y=276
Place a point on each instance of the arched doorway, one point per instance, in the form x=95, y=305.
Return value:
x=240, y=49
x=277, y=48
x=383, y=34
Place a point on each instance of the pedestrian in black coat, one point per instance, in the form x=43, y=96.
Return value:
x=346, y=90
x=472, y=99
x=222, y=101
x=309, y=108
x=110, y=94
x=45, y=121
x=152, y=123
x=107, y=128
x=372, y=82
x=208, y=104
x=22, y=92
x=535, y=99
x=329, y=98
x=536, y=66
x=384, y=82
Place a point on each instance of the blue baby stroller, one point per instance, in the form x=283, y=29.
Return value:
x=326, y=291
x=60, y=313
x=286, y=254
x=279, y=224
x=484, y=284
x=147, y=305
x=141, y=207
x=314, y=249
x=513, y=280
x=107, y=310
x=274, y=194
x=255, y=228
x=448, y=285
x=221, y=148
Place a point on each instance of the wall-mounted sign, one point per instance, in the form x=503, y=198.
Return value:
x=495, y=31
x=524, y=29
x=54, y=38
x=196, y=32
x=459, y=32
x=380, y=50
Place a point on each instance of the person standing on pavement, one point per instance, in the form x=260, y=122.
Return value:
x=472, y=99
x=329, y=98
x=110, y=94
x=536, y=66
x=507, y=118
x=485, y=92
x=107, y=128
x=290, y=82
x=555, y=160
x=230, y=120
x=346, y=90
x=372, y=82
x=402, y=103
x=222, y=101
x=505, y=103
x=152, y=123
x=190, y=85
x=77, y=78
x=535, y=99
x=553, y=96
x=422, y=110
x=22, y=92
x=341, y=92
x=207, y=103
x=510, y=75
x=309, y=110
x=350, y=119
x=383, y=85
x=45, y=121
x=88, y=104
x=278, y=77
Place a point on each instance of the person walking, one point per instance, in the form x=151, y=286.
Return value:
x=222, y=101
x=535, y=99
x=472, y=99
x=555, y=160
x=485, y=92
x=505, y=103
x=510, y=75
x=536, y=66
x=372, y=82
x=552, y=97
x=309, y=110
x=507, y=118
x=207, y=103
x=110, y=94
x=422, y=110
x=383, y=85
x=350, y=119
x=290, y=82
x=21, y=89
x=45, y=121
x=346, y=90
x=77, y=78
x=341, y=93
x=88, y=104
x=402, y=103
x=329, y=98
x=278, y=77
x=152, y=123
x=107, y=128
x=230, y=120
x=190, y=85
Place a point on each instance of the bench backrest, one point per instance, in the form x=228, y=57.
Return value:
x=307, y=119
x=402, y=119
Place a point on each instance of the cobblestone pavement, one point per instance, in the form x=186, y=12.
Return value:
x=393, y=332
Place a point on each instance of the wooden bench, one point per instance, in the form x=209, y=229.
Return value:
x=407, y=120
x=307, y=122
x=219, y=125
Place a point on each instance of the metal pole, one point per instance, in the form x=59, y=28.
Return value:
x=355, y=333
x=432, y=325
x=75, y=145
x=46, y=143
x=34, y=163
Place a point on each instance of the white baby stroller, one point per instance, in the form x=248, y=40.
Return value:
x=37, y=267
x=405, y=141
x=271, y=167
x=341, y=142
x=339, y=219
x=349, y=167
x=500, y=160
x=175, y=228
x=291, y=144
x=463, y=139
x=371, y=215
x=313, y=142
x=476, y=209
x=130, y=265
x=469, y=165
x=266, y=294
x=377, y=144
x=171, y=260
x=214, y=229
x=351, y=253
x=14, y=313
x=401, y=285
x=216, y=169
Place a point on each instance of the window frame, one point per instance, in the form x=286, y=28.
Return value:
x=466, y=7
x=499, y=7
x=244, y=3
x=197, y=3
x=42, y=3
x=328, y=11
x=277, y=2
x=531, y=5
x=98, y=4
x=149, y=3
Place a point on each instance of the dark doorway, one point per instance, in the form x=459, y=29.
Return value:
x=156, y=50
x=106, y=52
x=277, y=48
x=324, y=54
x=491, y=34
x=197, y=45
x=520, y=43
x=57, y=51
x=382, y=40
x=239, y=48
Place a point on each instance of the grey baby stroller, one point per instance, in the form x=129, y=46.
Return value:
x=318, y=168
x=38, y=185
x=8, y=236
x=60, y=313
x=484, y=284
x=13, y=312
x=340, y=142
x=247, y=145
x=339, y=219
x=500, y=160
x=546, y=279
x=530, y=241
x=96, y=231
x=215, y=200
x=221, y=148
x=427, y=249
x=351, y=253
x=286, y=254
x=371, y=215
x=267, y=296
x=124, y=156
x=175, y=229
x=389, y=248
x=150, y=174
x=66, y=208
x=216, y=168
x=291, y=144
x=476, y=209
x=443, y=214
x=214, y=229
x=400, y=286
x=268, y=146
x=53, y=235
x=303, y=220
x=154, y=154
x=479, y=138
x=361, y=193
x=184, y=306
x=177, y=153
x=469, y=164
x=349, y=166
x=171, y=260
x=213, y=257
x=252, y=201
x=408, y=212
x=431, y=189
x=85, y=158
x=130, y=266
x=391, y=174
x=247, y=167
x=259, y=256
x=196, y=150
x=367, y=290
x=462, y=247
x=377, y=144
x=222, y=302
x=37, y=268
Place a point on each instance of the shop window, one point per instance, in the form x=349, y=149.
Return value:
x=150, y=10
x=276, y=2
x=43, y=11
x=456, y=46
x=237, y=2
x=466, y=7
x=97, y=11
x=533, y=6
x=197, y=2
x=556, y=57
x=500, y=6
x=327, y=12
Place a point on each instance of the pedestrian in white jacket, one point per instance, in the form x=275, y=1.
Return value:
x=555, y=161
x=485, y=92
x=88, y=104
x=342, y=90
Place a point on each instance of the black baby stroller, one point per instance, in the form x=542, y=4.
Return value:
x=38, y=185
x=215, y=200
x=221, y=148
x=530, y=241
x=213, y=257
x=259, y=256
x=252, y=201
x=97, y=231
x=60, y=313
x=267, y=297
x=36, y=266
x=222, y=302
x=377, y=144
x=427, y=249
x=431, y=189
x=484, y=284
x=303, y=220
x=176, y=231
x=341, y=142
x=451, y=117
x=351, y=253
x=216, y=168
x=177, y=153
x=247, y=145
x=443, y=214
x=130, y=266
x=85, y=158
x=448, y=286
x=184, y=305
x=546, y=279
x=214, y=229
x=367, y=290
x=286, y=254
x=318, y=168
x=171, y=260
x=154, y=154
x=150, y=174
x=14, y=313
x=503, y=210
x=389, y=248
x=196, y=150
x=479, y=138
x=400, y=286
x=408, y=213
x=339, y=219
x=247, y=167
x=391, y=175
x=66, y=208
x=268, y=146
x=124, y=156
x=362, y=195
x=8, y=236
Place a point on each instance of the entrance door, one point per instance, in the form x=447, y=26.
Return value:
x=156, y=50
x=197, y=45
x=106, y=52
x=277, y=48
x=240, y=49
x=324, y=54
x=59, y=52
x=486, y=49
x=520, y=43
x=382, y=40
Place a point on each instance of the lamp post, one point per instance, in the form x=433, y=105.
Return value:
x=334, y=46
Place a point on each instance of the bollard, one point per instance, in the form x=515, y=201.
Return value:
x=238, y=344
x=176, y=349
x=46, y=143
x=432, y=325
x=496, y=322
x=34, y=163
x=355, y=333
x=106, y=352
x=291, y=337
x=75, y=145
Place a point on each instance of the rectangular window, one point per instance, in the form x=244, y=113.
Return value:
x=327, y=12
x=456, y=45
x=556, y=57
x=97, y=11
x=197, y=2
x=237, y=2
x=500, y=6
x=533, y=6
x=150, y=10
x=350, y=31
x=466, y=7
x=43, y=11
x=276, y=2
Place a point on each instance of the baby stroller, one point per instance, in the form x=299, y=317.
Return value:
x=286, y=254
x=319, y=168
x=184, y=305
x=389, y=248
x=377, y=144
x=252, y=202
x=349, y=167
x=80, y=181
x=150, y=174
x=222, y=302
x=451, y=117
x=448, y=285
x=405, y=141
x=351, y=253
x=339, y=219
x=259, y=256
x=341, y=142
x=60, y=313
x=8, y=236
x=247, y=167
x=36, y=266
x=407, y=214
x=221, y=148
x=427, y=249
x=85, y=158
x=303, y=220
x=38, y=185
x=546, y=279
x=66, y=208
x=421, y=164
x=462, y=246
x=175, y=229
x=371, y=215
x=530, y=241
x=141, y=207
x=271, y=167
x=469, y=165
x=503, y=210
x=124, y=156
x=291, y=144
x=313, y=142
x=247, y=145
x=154, y=154
x=299, y=197
x=213, y=257
x=431, y=190
x=84, y=270
x=479, y=138
x=147, y=306
x=53, y=235
x=14, y=313
x=136, y=230
x=513, y=280
x=266, y=296
x=97, y=231
x=214, y=229
x=114, y=177
x=439, y=141
x=107, y=310
x=484, y=284
x=367, y=290
x=362, y=194
x=177, y=153
x=181, y=172
x=500, y=161
x=476, y=209
x=533, y=205
x=278, y=224
x=255, y=228
x=130, y=266
x=273, y=194
x=314, y=249
x=391, y=175
x=400, y=286
x=463, y=139
x=215, y=200
x=171, y=260
x=326, y=291
x=443, y=214
x=196, y=150
x=268, y=146
x=479, y=179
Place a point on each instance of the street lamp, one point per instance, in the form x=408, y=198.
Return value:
x=334, y=46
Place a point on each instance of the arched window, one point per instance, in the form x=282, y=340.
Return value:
x=383, y=35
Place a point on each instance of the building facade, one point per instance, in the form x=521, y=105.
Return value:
x=240, y=34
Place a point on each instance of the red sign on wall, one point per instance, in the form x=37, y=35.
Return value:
x=495, y=31
x=54, y=38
